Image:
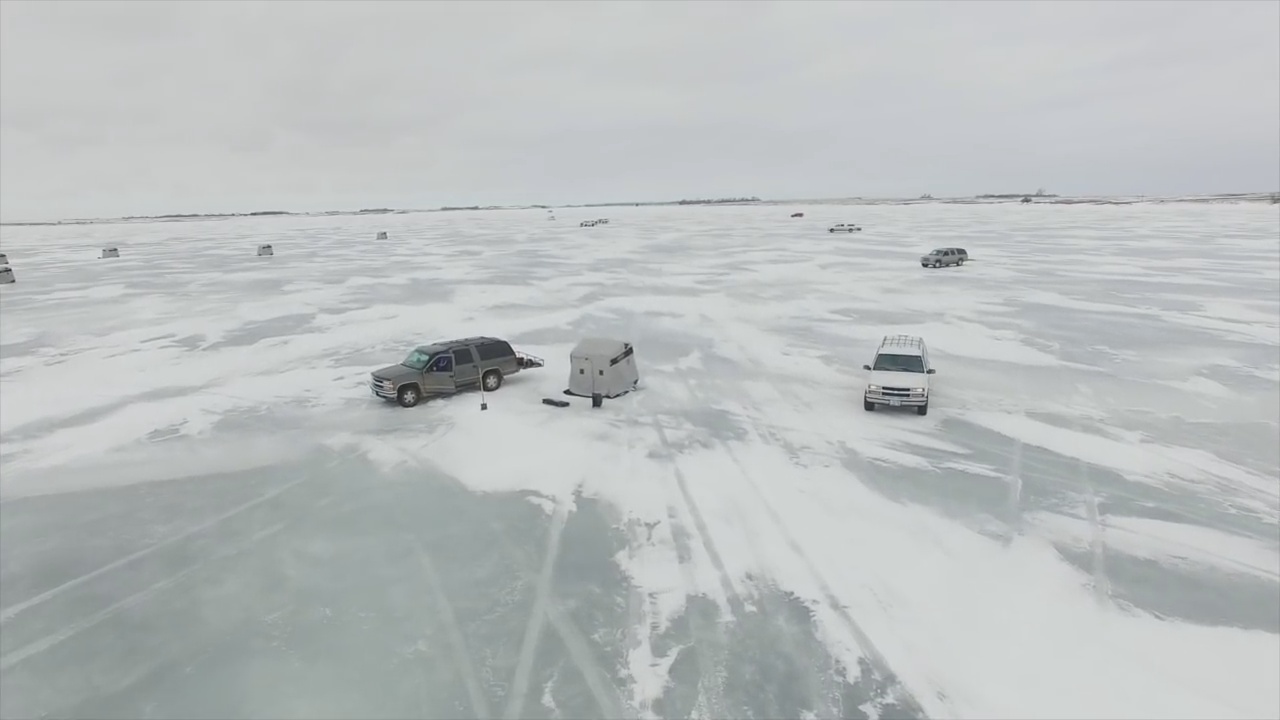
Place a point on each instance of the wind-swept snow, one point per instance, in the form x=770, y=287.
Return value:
x=204, y=511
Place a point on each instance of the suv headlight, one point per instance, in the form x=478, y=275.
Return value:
x=918, y=391
x=874, y=387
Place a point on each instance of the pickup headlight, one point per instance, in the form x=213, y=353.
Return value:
x=874, y=387
x=918, y=391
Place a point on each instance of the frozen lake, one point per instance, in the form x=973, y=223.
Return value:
x=204, y=512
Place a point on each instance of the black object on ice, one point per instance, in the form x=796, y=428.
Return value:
x=555, y=403
x=597, y=400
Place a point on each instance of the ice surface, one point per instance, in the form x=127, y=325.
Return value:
x=203, y=511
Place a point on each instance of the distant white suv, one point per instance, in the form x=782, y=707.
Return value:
x=842, y=227
x=899, y=375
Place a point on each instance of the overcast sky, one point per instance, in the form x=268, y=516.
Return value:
x=113, y=108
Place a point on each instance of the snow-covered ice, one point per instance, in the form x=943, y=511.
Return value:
x=204, y=512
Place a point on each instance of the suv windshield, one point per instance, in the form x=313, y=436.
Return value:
x=417, y=359
x=939, y=251
x=899, y=363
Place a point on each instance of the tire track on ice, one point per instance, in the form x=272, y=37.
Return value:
x=879, y=663
x=538, y=615
x=449, y=619
x=12, y=611
x=453, y=630
x=736, y=605
x=710, y=645
x=36, y=647
x=579, y=649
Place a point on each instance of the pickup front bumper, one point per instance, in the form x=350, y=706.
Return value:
x=896, y=398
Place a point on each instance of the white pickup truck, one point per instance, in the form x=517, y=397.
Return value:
x=844, y=227
x=899, y=375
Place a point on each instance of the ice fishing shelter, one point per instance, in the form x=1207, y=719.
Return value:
x=110, y=252
x=264, y=250
x=6, y=275
x=599, y=365
x=382, y=235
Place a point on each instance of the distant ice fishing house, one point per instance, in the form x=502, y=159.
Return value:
x=6, y=275
x=382, y=235
x=607, y=367
x=264, y=250
x=110, y=252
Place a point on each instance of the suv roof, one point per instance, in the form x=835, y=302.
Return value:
x=468, y=340
x=451, y=344
x=902, y=344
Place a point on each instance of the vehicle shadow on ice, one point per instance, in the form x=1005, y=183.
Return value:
x=345, y=591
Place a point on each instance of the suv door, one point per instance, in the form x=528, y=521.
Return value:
x=465, y=370
x=438, y=378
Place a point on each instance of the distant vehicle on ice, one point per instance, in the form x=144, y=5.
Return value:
x=944, y=256
x=587, y=223
x=845, y=228
x=796, y=215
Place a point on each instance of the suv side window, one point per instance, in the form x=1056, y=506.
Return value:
x=487, y=351
x=494, y=350
x=462, y=356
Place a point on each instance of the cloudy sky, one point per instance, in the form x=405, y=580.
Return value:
x=121, y=108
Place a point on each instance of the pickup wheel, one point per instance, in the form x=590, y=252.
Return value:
x=408, y=395
x=868, y=405
x=923, y=409
x=491, y=381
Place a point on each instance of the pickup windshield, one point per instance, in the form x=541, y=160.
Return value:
x=899, y=363
x=417, y=360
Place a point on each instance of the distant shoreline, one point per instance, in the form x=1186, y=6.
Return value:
x=989, y=199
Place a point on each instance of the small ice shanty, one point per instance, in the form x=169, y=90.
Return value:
x=264, y=250
x=4, y=259
x=600, y=365
x=6, y=275
x=110, y=252
x=382, y=235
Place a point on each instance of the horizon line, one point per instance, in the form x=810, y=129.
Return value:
x=753, y=200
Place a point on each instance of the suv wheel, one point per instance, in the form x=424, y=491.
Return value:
x=492, y=380
x=868, y=405
x=408, y=396
x=923, y=409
